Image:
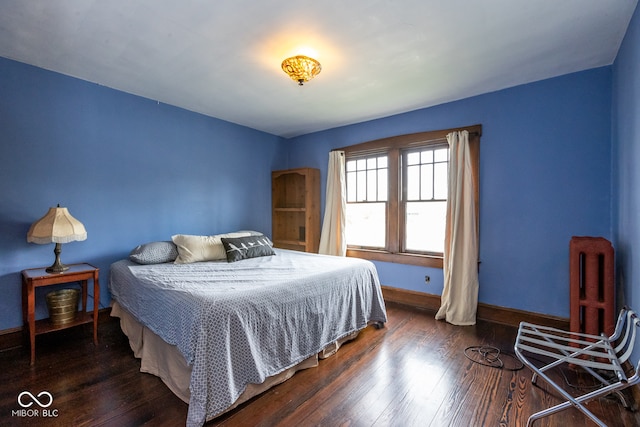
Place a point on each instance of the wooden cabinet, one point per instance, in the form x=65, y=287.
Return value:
x=295, y=200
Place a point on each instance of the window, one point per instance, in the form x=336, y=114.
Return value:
x=367, y=180
x=397, y=196
x=424, y=198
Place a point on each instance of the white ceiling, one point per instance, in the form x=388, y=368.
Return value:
x=379, y=57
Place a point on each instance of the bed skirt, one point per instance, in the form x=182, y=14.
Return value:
x=165, y=361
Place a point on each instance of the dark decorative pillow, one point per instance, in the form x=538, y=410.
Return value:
x=154, y=253
x=239, y=248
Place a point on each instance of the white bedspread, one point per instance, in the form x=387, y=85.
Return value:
x=239, y=323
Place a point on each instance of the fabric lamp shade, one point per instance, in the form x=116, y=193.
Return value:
x=57, y=226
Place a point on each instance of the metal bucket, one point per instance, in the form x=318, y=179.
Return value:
x=62, y=305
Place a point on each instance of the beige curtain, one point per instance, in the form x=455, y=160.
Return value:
x=460, y=294
x=332, y=238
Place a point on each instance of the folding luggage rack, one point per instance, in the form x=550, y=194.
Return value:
x=601, y=356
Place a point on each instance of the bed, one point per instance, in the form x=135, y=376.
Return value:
x=219, y=332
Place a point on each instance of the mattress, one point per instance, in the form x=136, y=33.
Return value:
x=237, y=324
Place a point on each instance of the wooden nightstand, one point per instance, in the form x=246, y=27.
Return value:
x=37, y=277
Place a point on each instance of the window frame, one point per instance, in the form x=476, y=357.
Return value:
x=393, y=148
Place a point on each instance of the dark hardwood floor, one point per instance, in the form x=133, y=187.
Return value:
x=411, y=373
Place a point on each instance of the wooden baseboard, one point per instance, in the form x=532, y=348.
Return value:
x=492, y=313
x=13, y=338
x=413, y=298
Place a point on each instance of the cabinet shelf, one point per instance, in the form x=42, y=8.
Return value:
x=295, y=201
x=289, y=242
x=290, y=209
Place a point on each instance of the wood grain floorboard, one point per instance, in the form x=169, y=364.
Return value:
x=413, y=372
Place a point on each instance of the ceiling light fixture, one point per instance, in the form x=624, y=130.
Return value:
x=301, y=68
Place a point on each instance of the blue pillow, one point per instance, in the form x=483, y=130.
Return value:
x=154, y=253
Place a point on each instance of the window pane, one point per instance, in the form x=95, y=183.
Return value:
x=382, y=185
x=441, y=155
x=425, y=222
x=426, y=188
x=365, y=225
x=372, y=190
x=370, y=180
x=413, y=182
x=440, y=181
x=351, y=186
x=362, y=185
x=413, y=158
x=426, y=156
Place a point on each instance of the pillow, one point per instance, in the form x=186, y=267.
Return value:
x=154, y=253
x=250, y=232
x=201, y=248
x=247, y=247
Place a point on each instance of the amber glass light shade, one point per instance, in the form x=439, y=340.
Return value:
x=301, y=68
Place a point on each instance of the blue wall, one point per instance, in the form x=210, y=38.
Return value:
x=626, y=148
x=130, y=169
x=133, y=171
x=545, y=176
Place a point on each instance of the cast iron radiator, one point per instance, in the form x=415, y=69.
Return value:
x=591, y=261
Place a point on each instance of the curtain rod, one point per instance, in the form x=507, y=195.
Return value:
x=477, y=131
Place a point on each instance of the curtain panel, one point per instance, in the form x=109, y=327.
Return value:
x=459, y=300
x=332, y=237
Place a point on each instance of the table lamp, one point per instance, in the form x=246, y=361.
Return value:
x=57, y=226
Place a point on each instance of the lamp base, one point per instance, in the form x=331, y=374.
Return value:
x=57, y=266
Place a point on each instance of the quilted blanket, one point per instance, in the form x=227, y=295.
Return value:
x=239, y=323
